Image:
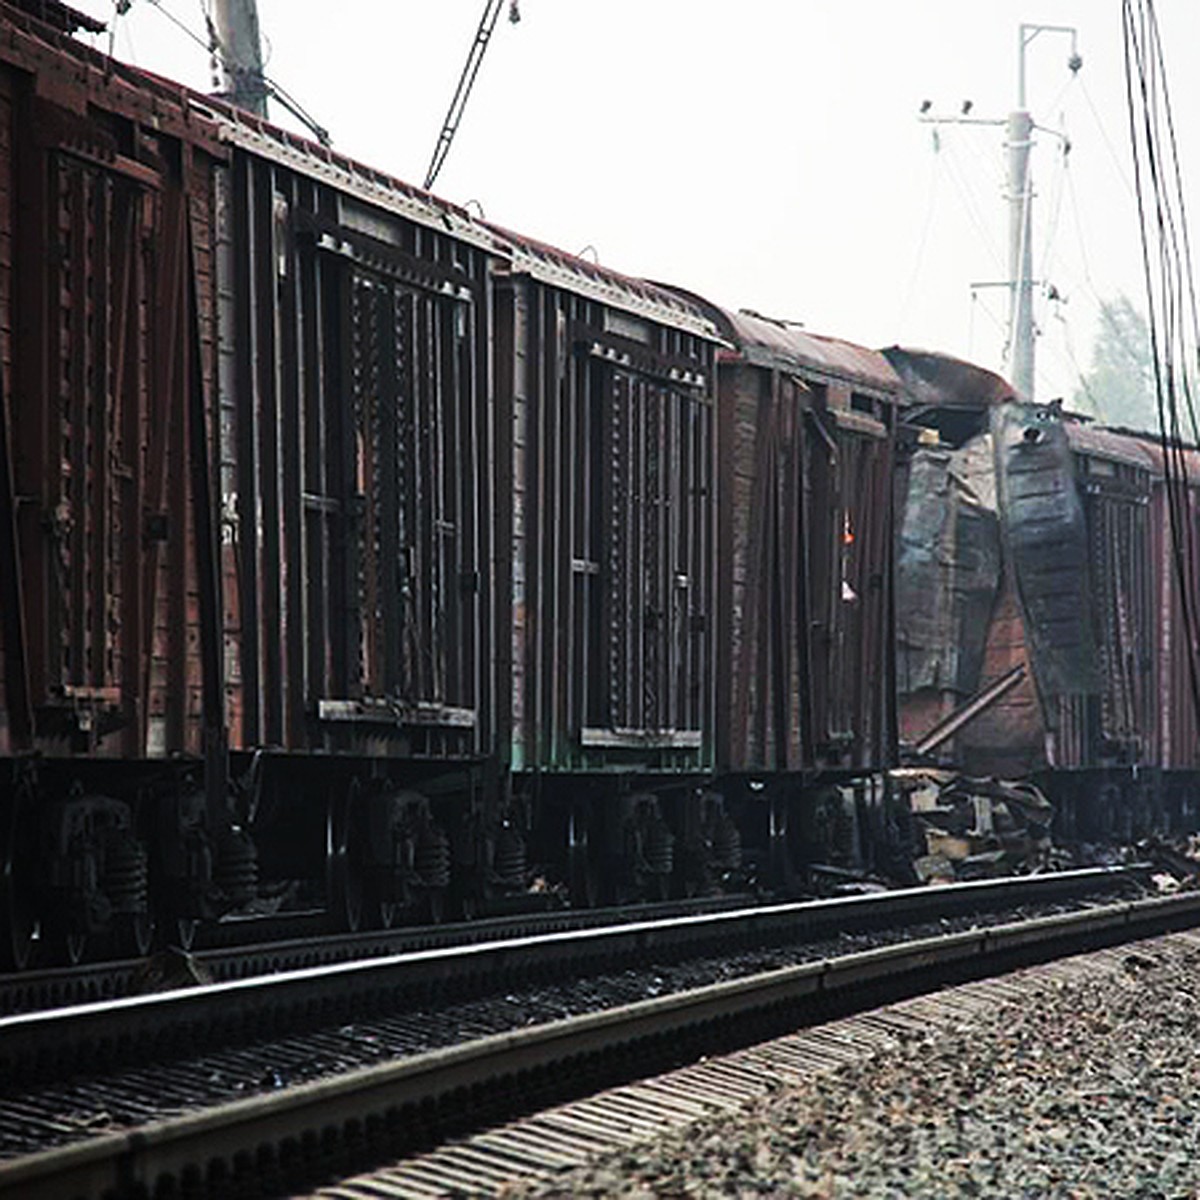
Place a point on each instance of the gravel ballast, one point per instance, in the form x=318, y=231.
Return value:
x=1085, y=1083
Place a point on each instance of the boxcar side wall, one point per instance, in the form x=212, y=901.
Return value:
x=109, y=385
x=765, y=707
x=1177, y=725
x=356, y=474
x=612, y=528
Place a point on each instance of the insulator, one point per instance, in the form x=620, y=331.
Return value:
x=236, y=870
x=726, y=844
x=510, y=857
x=125, y=881
x=658, y=848
x=431, y=859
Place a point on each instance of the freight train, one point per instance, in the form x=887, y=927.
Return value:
x=358, y=554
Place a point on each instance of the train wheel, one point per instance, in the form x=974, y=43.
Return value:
x=343, y=866
x=133, y=935
x=18, y=916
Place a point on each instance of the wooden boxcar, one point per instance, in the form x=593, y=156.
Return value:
x=805, y=662
x=606, y=388
x=354, y=551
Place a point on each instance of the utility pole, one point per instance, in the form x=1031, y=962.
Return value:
x=1020, y=247
x=1019, y=129
x=239, y=54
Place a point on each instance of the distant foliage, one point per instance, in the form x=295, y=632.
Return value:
x=1119, y=388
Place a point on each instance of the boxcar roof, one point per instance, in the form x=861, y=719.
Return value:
x=1098, y=442
x=941, y=380
x=207, y=120
x=1150, y=447
x=767, y=342
x=551, y=265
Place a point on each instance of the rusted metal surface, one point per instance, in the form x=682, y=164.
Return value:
x=1008, y=740
x=981, y=702
x=804, y=670
x=785, y=345
x=1177, y=727
x=100, y=370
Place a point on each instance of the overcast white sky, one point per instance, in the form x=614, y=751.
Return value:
x=764, y=153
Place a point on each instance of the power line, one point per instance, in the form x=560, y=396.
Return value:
x=1167, y=268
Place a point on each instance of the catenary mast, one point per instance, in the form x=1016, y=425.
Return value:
x=1019, y=130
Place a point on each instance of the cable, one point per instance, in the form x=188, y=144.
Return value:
x=1169, y=288
x=212, y=45
x=930, y=208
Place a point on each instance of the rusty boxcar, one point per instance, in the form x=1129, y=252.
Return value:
x=354, y=550
x=358, y=553
x=805, y=664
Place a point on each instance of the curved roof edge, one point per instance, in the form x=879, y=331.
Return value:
x=786, y=345
x=943, y=381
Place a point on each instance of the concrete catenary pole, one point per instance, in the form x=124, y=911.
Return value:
x=239, y=54
x=1020, y=251
x=1020, y=126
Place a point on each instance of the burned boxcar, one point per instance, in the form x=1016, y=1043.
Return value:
x=1047, y=642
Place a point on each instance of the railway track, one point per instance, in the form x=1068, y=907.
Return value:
x=248, y=948
x=244, y=948
x=330, y=1125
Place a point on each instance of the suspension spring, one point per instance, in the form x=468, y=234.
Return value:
x=658, y=847
x=726, y=844
x=431, y=858
x=510, y=857
x=126, y=877
x=236, y=872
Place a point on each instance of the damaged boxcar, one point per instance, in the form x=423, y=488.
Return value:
x=1050, y=646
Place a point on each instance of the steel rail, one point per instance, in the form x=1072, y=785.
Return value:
x=240, y=948
x=49, y=1043
x=283, y=1140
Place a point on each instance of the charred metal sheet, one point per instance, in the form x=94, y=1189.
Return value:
x=1045, y=535
x=947, y=576
x=940, y=379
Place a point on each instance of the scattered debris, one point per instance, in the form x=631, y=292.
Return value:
x=975, y=828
